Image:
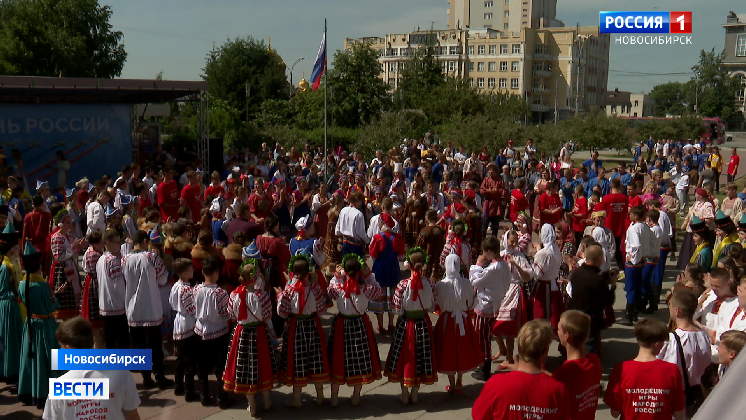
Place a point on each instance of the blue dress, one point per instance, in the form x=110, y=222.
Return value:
x=386, y=266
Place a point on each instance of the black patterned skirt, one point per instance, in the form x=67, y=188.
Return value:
x=353, y=351
x=69, y=307
x=303, y=357
x=411, y=360
x=251, y=367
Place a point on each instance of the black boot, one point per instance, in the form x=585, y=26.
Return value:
x=629, y=318
x=484, y=373
x=224, y=400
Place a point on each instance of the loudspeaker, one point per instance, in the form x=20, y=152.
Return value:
x=215, y=155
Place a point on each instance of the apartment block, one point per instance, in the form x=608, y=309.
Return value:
x=502, y=15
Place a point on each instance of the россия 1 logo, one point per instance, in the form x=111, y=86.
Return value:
x=647, y=23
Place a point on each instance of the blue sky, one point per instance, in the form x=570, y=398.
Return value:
x=175, y=35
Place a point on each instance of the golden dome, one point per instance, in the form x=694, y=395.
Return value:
x=303, y=85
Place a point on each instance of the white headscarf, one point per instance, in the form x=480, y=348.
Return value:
x=549, y=238
x=453, y=276
x=599, y=235
x=506, y=249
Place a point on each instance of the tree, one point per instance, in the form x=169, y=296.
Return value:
x=715, y=90
x=244, y=61
x=385, y=132
x=55, y=38
x=595, y=130
x=359, y=94
x=670, y=99
x=420, y=74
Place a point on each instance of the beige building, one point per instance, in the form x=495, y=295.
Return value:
x=627, y=104
x=502, y=15
x=555, y=68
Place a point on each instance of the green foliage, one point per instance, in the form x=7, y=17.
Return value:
x=596, y=130
x=715, y=89
x=359, y=94
x=670, y=98
x=309, y=109
x=420, y=74
x=275, y=112
x=385, y=132
x=59, y=38
x=238, y=62
x=689, y=127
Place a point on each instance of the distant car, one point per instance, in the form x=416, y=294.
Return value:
x=728, y=137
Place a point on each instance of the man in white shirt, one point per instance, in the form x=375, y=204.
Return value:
x=144, y=273
x=96, y=213
x=77, y=333
x=148, y=178
x=637, y=248
x=351, y=226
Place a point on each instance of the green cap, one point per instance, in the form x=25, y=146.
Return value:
x=29, y=249
x=9, y=228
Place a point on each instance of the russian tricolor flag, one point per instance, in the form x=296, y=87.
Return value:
x=319, y=65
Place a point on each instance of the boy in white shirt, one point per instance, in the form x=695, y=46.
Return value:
x=637, y=249
x=211, y=304
x=682, y=191
x=111, y=293
x=77, y=333
x=186, y=342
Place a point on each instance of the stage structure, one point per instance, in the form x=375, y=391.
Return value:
x=92, y=121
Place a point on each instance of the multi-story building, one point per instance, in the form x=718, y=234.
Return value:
x=735, y=55
x=560, y=70
x=502, y=15
x=627, y=104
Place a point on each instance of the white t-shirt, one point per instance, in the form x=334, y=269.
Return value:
x=696, y=348
x=683, y=183
x=122, y=396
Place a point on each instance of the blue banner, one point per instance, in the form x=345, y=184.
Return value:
x=634, y=22
x=94, y=139
x=101, y=359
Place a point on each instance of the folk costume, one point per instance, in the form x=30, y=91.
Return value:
x=111, y=298
x=411, y=360
x=89, y=299
x=186, y=342
x=304, y=354
x=432, y=239
x=386, y=248
x=251, y=367
x=513, y=311
x=311, y=247
x=353, y=351
x=65, y=270
x=457, y=347
x=459, y=245
x=129, y=224
x=351, y=226
x=332, y=242
x=414, y=219
x=722, y=245
x=702, y=254
x=11, y=321
x=546, y=299
x=38, y=332
x=232, y=261
x=211, y=325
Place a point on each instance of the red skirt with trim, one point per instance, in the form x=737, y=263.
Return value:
x=456, y=353
x=353, y=351
x=68, y=300
x=250, y=367
x=411, y=359
x=547, y=304
x=89, y=302
x=518, y=315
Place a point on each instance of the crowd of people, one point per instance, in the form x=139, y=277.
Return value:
x=231, y=275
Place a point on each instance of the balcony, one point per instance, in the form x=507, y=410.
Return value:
x=540, y=90
x=539, y=108
x=542, y=56
x=541, y=73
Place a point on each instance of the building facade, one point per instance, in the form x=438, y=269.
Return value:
x=735, y=55
x=502, y=15
x=627, y=104
x=559, y=70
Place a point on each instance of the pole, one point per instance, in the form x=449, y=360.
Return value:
x=248, y=93
x=326, y=89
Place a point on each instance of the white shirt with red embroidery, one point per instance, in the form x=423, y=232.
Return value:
x=211, y=304
x=404, y=301
x=355, y=304
x=90, y=259
x=111, y=287
x=289, y=300
x=258, y=305
x=144, y=273
x=181, y=300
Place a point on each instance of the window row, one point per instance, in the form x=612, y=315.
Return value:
x=483, y=49
x=492, y=66
x=491, y=82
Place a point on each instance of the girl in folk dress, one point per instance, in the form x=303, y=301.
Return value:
x=251, y=366
x=353, y=352
x=457, y=348
x=457, y=243
x=89, y=300
x=64, y=268
x=546, y=299
x=513, y=313
x=386, y=248
x=410, y=360
x=304, y=356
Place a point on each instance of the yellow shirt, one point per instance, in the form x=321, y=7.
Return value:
x=717, y=162
x=15, y=273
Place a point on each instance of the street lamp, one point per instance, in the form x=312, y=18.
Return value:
x=292, y=86
x=696, y=91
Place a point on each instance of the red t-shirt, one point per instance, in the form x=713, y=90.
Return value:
x=616, y=206
x=168, y=193
x=635, y=201
x=645, y=390
x=549, y=202
x=518, y=203
x=580, y=207
x=582, y=378
x=733, y=164
x=192, y=195
x=214, y=191
x=144, y=203
x=518, y=395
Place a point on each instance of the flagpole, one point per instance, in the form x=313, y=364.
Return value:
x=326, y=88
